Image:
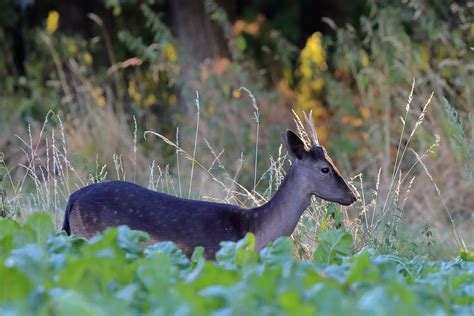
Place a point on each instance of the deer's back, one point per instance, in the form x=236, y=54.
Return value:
x=188, y=223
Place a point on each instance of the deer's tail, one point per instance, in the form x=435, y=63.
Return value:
x=66, y=226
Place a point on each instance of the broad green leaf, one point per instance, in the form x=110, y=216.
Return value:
x=246, y=254
x=8, y=228
x=241, y=43
x=333, y=245
x=278, y=251
x=96, y=273
x=61, y=243
x=467, y=256
x=41, y=225
x=71, y=303
x=169, y=248
x=211, y=274
x=197, y=255
x=32, y=260
x=14, y=284
x=291, y=302
x=157, y=273
x=130, y=241
x=238, y=254
x=362, y=269
x=265, y=285
x=226, y=255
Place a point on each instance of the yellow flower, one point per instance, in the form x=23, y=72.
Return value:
x=132, y=91
x=288, y=75
x=308, y=91
x=99, y=98
x=170, y=52
x=364, y=58
x=306, y=70
x=424, y=57
x=172, y=99
x=150, y=100
x=317, y=84
x=87, y=57
x=314, y=52
x=71, y=46
x=356, y=122
x=365, y=113
x=52, y=22
x=101, y=101
x=236, y=93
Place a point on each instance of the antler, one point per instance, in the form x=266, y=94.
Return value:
x=310, y=123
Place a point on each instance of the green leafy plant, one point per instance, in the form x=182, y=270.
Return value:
x=333, y=246
x=44, y=272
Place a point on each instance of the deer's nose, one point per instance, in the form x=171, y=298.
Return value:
x=351, y=198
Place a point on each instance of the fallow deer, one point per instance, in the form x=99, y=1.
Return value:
x=191, y=223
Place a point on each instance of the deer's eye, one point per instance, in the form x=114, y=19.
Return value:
x=325, y=170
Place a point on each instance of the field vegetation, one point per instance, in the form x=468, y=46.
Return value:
x=391, y=90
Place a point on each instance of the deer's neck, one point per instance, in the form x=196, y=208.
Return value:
x=279, y=216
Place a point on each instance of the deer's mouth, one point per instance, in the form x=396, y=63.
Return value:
x=346, y=201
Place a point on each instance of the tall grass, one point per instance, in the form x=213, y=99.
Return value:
x=390, y=211
x=51, y=172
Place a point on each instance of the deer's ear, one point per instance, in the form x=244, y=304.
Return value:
x=294, y=145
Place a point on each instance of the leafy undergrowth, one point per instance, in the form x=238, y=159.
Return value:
x=47, y=273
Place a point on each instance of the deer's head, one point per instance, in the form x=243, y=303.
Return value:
x=317, y=171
